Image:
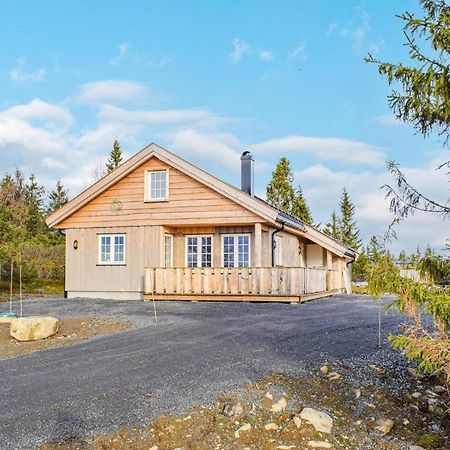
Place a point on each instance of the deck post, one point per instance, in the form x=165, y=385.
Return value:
x=258, y=245
x=330, y=286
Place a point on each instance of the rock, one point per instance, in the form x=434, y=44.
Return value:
x=245, y=427
x=384, y=425
x=413, y=372
x=6, y=319
x=232, y=410
x=319, y=419
x=33, y=328
x=416, y=395
x=271, y=426
x=334, y=376
x=297, y=421
x=324, y=370
x=357, y=392
x=319, y=444
x=439, y=389
x=155, y=447
x=280, y=405
x=285, y=447
x=376, y=368
x=415, y=447
x=269, y=396
x=406, y=421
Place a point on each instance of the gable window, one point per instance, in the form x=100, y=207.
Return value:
x=199, y=251
x=111, y=249
x=277, y=251
x=168, y=250
x=236, y=250
x=156, y=186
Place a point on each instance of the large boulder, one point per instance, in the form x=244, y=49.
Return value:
x=319, y=419
x=33, y=328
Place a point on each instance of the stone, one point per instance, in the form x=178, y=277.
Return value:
x=280, y=405
x=297, y=421
x=6, y=319
x=271, y=426
x=413, y=372
x=416, y=395
x=439, y=389
x=376, y=368
x=415, y=447
x=324, y=370
x=319, y=444
x=245, y=427
x=155, y=447
x=384, y=425
x=406, y=421
x=319, y=419
x=357, y=393
x=232, y=410
x=285, y=447
x=334, y=376
x=269, y=396
x=33, y=328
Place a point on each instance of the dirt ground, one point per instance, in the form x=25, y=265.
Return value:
x=72, y=330
x=356, y=401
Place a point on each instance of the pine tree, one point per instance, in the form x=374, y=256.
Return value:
x=333, y=227
x=374, y=249
x=349, y=228
x=280, y=192
x=300, y=209
x=115, y=157
x=34, y=195
x=57, y=198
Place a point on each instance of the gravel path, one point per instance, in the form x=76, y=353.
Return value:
x=195, y=352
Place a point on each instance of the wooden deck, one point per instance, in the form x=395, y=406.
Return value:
x=261, y=284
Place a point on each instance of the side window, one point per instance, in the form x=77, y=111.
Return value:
x=277, y=251
x=111, y=249
x=168, y=250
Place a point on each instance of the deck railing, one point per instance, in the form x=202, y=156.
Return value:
x=242, y=281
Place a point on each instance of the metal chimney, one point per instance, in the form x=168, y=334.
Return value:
x=247, y=164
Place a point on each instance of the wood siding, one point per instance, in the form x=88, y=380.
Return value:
x=143, y=246
x=190, y=203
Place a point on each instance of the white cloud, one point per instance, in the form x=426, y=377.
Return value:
x=38, y=109
x=299, y=52
x=111, y=91
x=357, y=31
x=388, y=119
x=171, y=116
x=266, y=55
x=240, y=48
x=18, y=73
x=123, y=49
x=345, y=151
x=53, y=164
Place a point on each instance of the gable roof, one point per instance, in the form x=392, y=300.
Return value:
x=267, y=212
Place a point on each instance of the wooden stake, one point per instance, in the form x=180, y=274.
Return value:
x=20, y=291
x=11, y=287
x=154, y=309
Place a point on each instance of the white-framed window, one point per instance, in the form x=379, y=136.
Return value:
x=199, y=251
x=277, y=251
x=156, y=185
x=236, y=250
x=111, y=249
x=168, y=250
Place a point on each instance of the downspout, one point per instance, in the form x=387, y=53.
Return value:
x=273, y=242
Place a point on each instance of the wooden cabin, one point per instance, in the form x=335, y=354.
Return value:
x=160, y=228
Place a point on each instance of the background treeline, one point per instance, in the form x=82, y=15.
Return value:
x=25, y=239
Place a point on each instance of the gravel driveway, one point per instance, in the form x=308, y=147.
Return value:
x=195, y=352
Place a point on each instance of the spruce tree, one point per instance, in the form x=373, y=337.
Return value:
x=300, y=209
x=57, y=198
x=115, y=157
x=349, y=227
x=34, y=195
x=333, y=227
x=280, y=192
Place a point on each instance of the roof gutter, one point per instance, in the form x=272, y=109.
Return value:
x=274, y=244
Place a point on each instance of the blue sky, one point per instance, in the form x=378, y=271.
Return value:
x=209, y=80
